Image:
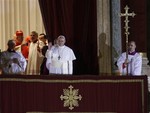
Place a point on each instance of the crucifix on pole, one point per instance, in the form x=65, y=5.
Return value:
x=126, y=27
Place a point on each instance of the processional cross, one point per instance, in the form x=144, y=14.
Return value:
x=126, y=27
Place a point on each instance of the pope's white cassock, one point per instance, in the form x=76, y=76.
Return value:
x=134, y=65
x=60, y=60
x=7, y=65
x=34, y=58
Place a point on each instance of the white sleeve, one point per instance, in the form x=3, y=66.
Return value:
x=48, y=56
x=137, y=65
x=72, y=55
x=70, y=67
x=23, y=63
x=120, y=62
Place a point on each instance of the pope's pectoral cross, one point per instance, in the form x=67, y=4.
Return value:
x=126, y=27
x=59, y=57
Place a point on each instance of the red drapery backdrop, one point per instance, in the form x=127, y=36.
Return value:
x=138, y=24
x=77, y=20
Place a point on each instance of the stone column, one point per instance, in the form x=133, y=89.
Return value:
x=103, y=35
x=115, y=32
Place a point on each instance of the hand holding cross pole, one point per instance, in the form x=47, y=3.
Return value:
x=126, y=27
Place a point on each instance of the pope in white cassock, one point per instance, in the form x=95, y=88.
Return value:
x=134, y=61
x=60, y=58
x=12, y=62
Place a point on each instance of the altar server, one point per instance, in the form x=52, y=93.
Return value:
x=134, y=61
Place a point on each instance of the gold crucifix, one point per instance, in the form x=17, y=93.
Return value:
x=126, y=27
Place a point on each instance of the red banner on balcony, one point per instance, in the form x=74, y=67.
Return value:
x=88, y=94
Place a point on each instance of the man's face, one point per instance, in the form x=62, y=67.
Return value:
x=61, y=41
x=41, y=37
x=33, y=37
x=19, y=39
x=131, y=46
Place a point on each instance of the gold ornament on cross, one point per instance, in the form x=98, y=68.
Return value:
x=126, y=27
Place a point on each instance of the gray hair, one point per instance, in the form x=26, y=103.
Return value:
x=35, y=33
x=62, y=36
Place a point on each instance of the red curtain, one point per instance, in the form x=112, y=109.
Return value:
x=76, y=19
x=138, y=24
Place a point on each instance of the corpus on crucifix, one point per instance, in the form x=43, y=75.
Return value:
x=126, y=27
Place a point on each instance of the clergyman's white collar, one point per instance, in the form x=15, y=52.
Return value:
x=61, y=47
